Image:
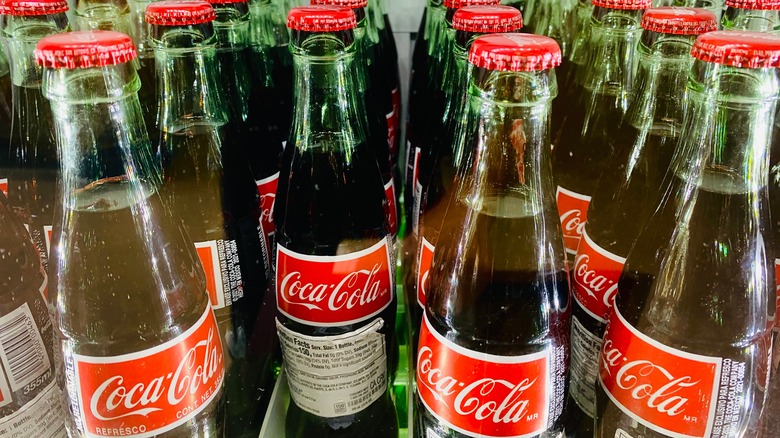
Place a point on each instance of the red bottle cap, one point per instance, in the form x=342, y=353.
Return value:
x=515, y=52
x=352, y=4
x=457, y=4
x=738, y=49
x=760, y=5
x=679, y=21
x=321, y=18
x=32, y=7
x=84, y=49
x=629, y=5
x=488, y=19
x=179, y=12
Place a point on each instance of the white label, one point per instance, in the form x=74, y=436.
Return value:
x=223, y=273
x=22, y=350
x=333, y=376
x=620, y=433
x=585, y=349
x=41, y=417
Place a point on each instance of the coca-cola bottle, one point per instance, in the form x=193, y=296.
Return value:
x=32, y=400
x=367, y=69
x=140, y=346
x=715, y=6
x=599, y=99
x=33, y=171
x=625, y=195
x=555, y=19
x=493, y=350
x=756, y=15
x=212, y=189
x=5, y=119
x=271, y=65
x=688, y=344
x=141, y=33
x=334, y=262
x=438, y=165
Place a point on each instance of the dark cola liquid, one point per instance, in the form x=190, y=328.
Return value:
x=5, y=123
x=34, y=166
x=712, y=296
x=211, y=204
x=130, y=281
x=497, y=293
x=326, y=206
x=270, y=110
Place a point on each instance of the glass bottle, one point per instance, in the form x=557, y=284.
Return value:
x=272, y=70
x=33, y=171
x=131, y=310
x=32, y=401
x=755, y=15
x=212, y=189
x=437, y=166
x=5, y=119
x=555, y=19
x=493, y=349
x=599, y=101
x=625, y=195
x=715, y=6
x=688, y=345
x=334, y=262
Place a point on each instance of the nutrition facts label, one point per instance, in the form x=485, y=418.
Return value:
x=331, y=376
x=584, y=366
x=43, y=417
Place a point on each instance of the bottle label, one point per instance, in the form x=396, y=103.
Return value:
x=670, y=391
x=392, y=215
x=149, y=392
x=423, y=270
x=333, y=376
x=4, y=186
x=480, y=394
x=585, y=347
x=394, y=122
x=573, y=210
x=417, y=193
x=334, y=290
x=266, y=188
x=223, y=272
x=596, y=275
x=41, y=417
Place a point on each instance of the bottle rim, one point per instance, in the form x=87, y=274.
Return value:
x=321, y=18
x=227, y=2
x=179, y=12
x=628, y=5
x=679, y=21
x=457, y=4
x=517, y=52
x=488, y=19
x=84, y=49
x=32, y=7
x=352, y=4
x=745, y=49
x=756, y=5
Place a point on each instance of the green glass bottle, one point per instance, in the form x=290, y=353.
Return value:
x=333, y=238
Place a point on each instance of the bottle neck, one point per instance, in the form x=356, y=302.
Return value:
x=20, y=35
x=663, y=68
x=187, y=68
x=267, y=25
x=748, y=19
x=435, y=28
x=610, y=64
x=232, y=26
x=581, y=32
x=728, y=128
x=140, y=30
x=4, y=66
x=325, y=97
x=553, y=18
x=508, y=136
x=103, y=15
x=100, y=131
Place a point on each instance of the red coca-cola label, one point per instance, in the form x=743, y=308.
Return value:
x=333, y=290
x=220, y=262
x=266, y=188
x=423, y=270
x=149, y=392
x=481, y=394
x=573, y=210
x=392, y=214
x=394, y=122
x=670, y=391
x=596, y=274
x=4, y=186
